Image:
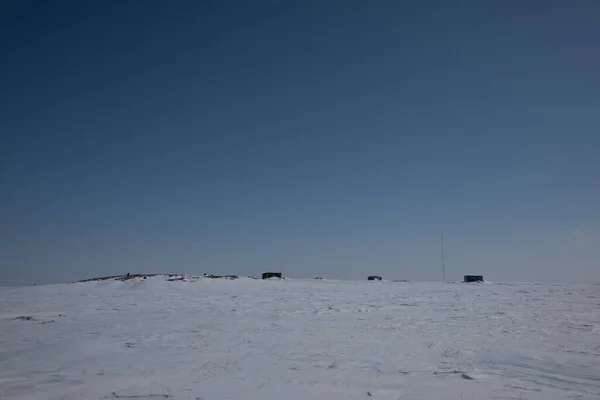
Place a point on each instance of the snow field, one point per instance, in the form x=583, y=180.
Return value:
x=299, y=339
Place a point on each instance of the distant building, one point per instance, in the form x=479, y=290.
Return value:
x=374, y=278
x=268, y=275
x=473, y=278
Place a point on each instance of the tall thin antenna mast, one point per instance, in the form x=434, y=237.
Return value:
x=443, y=262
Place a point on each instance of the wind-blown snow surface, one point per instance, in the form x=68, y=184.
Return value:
x=299, y=339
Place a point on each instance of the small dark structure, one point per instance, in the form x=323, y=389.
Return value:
x=211, y=276
x=374, y=278
x=473, y=278
x=268, y=275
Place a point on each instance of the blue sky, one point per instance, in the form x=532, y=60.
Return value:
x=334, y=139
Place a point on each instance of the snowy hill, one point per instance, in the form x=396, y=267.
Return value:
x=298, y=339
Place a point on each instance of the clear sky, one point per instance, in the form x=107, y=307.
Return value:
x=321, y=138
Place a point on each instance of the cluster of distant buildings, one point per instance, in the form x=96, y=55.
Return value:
x=266, y=275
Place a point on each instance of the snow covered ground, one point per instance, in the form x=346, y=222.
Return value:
x=299, y=339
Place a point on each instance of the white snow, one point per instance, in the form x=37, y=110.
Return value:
x=299, y=339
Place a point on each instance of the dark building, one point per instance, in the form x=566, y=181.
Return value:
x=473, y=278
x=374, y=278
x=268, y=275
